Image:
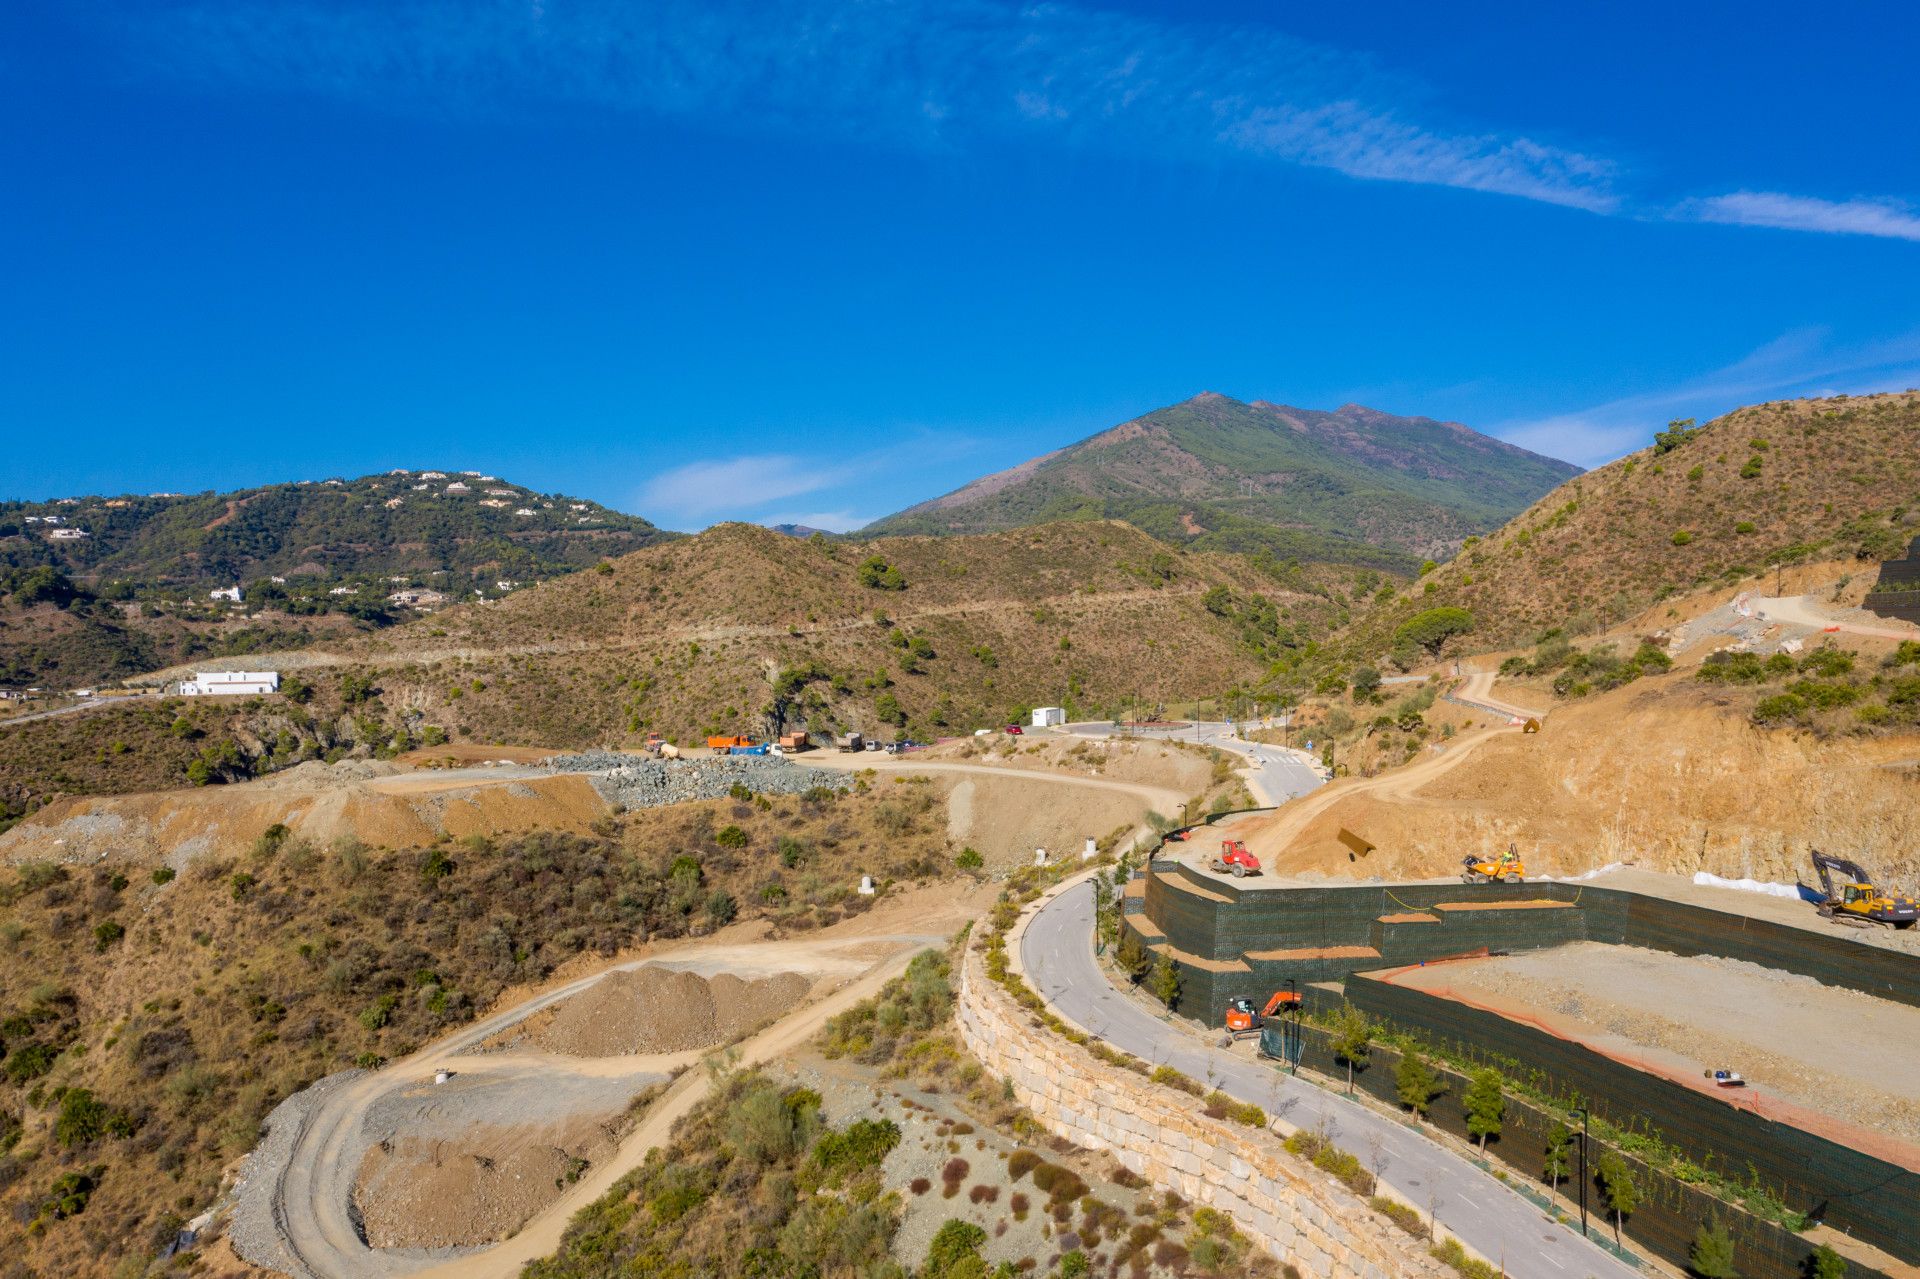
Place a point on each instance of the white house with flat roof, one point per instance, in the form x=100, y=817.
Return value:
x=231, y=684
x=1049, y=716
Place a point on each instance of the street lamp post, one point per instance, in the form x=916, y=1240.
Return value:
x=1583, y=1172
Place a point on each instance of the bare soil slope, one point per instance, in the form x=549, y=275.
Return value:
x=364, y=800
x=1695, y=1014
x=1655, y=773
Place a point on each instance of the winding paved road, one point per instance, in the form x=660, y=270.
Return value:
x=1056, y=951
x=1277, y=774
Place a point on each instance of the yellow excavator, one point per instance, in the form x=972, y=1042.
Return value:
x=1855, y=899
x=1506, y=868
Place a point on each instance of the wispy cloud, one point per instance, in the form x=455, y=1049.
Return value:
x=1888, y=219
x=842, y=521
x=917, y=73
x=1802, y=362
x=703, y=489
x=755, y=486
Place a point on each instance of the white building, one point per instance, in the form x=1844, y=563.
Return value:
x=231, y=594
x=67, y=534
x=433, y=475
x=231, y=684
x=457, y=488
x=1049, y=716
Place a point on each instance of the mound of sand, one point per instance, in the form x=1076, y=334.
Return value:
x=660, y=1010
x=420, y=1192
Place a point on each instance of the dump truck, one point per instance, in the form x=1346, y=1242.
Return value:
x=1241, y=1019
x=1507, y=868
x=1855, y=900
x=1235, y=860
x=853, y=742
x=748, y=748
x=794, y=742
x=727, y=743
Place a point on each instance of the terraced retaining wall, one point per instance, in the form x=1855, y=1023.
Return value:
x=1284, y=1205
x=1231, y=940
x=1670, y=1211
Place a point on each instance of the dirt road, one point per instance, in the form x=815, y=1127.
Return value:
x=1269, y=838
x=1158, y=798
x=1478, y=691
x=1801, y=610
x=310, y=1190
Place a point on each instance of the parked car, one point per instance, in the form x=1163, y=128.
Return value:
x=1014, y=730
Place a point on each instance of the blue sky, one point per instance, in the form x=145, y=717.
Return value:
x=816, y=261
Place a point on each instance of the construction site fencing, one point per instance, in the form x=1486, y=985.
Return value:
x=1670, y=1211
x=1231, y=940
x=1854, y=1192
x=1237, y=940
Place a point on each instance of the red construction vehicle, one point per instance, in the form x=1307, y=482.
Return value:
x=1235, y=860
x=1241, y=1018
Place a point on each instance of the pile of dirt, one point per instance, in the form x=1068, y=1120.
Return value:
x=651, y=1009
x=429, y=1192
x=368, y=800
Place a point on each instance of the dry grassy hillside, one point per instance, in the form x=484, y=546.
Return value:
x=929, y=635
x=149, y=1021
x=145, y=745
x=1760, y=487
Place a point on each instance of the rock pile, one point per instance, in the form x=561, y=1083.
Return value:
x=641, y=781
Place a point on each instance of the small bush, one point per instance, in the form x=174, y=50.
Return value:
x=1174, y=1079
x=1408, y=1219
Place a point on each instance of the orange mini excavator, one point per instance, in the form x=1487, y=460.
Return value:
x=1242, y=1019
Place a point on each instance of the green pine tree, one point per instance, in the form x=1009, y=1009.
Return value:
x=1711, y=1256
x=1825, y=1263
x=1559, y=1162
x=1617, y=1184
x=1165, y=983
x=1486, y=1104
x=1416, y=1084
x=1352, y=1039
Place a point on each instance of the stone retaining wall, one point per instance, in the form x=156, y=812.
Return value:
x=1293, y=1211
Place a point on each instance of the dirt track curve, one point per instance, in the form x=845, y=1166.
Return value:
x=311, y=1189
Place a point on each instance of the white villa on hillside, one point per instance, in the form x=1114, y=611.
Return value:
x=230, y=684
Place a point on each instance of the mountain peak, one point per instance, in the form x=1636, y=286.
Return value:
x=1356, y=485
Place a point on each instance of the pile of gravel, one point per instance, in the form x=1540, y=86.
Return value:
x=641, y=781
